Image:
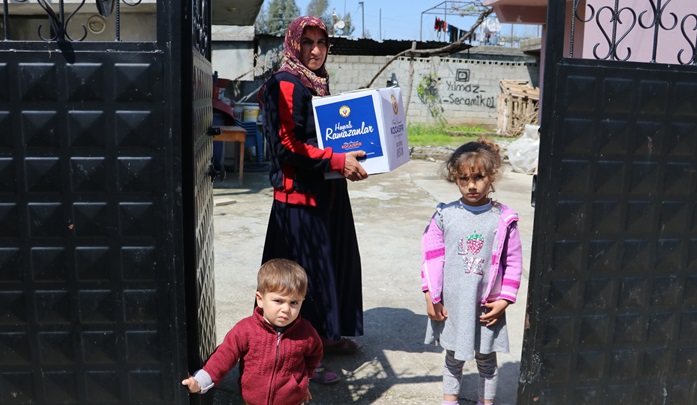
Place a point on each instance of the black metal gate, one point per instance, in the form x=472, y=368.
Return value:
x=106, y=287
x=612, y=304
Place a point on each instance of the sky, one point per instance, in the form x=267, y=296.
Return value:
x=402, y=19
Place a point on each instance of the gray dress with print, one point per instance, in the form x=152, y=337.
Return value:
x=468, y=234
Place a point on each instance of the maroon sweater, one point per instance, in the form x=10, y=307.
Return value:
x=275, y=367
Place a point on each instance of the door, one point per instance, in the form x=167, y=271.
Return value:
x=106, y=260
x=612, y=303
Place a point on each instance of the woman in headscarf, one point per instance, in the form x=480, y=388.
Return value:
x=311, y=221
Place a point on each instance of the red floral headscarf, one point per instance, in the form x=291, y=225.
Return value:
x=317, y=80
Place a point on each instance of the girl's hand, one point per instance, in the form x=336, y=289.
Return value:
x=308, y=396
x=437, y=311
x=495, y=310
x=352, y=169
x=192, y=384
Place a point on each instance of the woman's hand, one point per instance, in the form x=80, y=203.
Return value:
x=495, y=310
x=437, y=311
x=352, y=169
x=192, y=385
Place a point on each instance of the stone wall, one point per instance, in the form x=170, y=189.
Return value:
x=465, y=91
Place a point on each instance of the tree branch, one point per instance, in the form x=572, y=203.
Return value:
x=450, y=48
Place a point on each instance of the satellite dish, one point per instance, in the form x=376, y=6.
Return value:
x=493, y=24
x=340, y=24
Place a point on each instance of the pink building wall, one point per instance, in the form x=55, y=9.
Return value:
x=679, y=20
x=634, y=28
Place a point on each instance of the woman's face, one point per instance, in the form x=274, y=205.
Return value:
x=313, y=48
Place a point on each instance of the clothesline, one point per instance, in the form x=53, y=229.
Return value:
x=453, y=32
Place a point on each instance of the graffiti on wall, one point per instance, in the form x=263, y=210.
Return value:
x=461, y=91
x=427, y=90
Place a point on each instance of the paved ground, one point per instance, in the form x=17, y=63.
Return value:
x=391, y=211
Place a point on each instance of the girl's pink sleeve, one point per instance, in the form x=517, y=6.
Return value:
x=512, y=261
x=432, y=261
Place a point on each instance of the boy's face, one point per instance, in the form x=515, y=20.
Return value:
x=279, y=309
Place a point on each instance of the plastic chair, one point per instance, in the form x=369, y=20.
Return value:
x=254, y=138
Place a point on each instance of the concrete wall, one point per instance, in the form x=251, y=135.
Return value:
x=233, y=52
x=467, y=89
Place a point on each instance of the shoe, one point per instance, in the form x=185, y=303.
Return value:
x=341, y=346
x=324, y=376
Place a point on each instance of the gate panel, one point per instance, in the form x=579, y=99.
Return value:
x=81, y=208
x=612, y=304
x=201, y=313
x=106, y=293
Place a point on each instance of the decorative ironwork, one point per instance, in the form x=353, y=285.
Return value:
x=657, y=23
x=615, y=23
x=693, y=45
x=58, y=22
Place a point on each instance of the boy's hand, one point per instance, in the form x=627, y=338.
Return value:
x=308, y=396
x=437, y=311
x=192, y=385
x=496, y=309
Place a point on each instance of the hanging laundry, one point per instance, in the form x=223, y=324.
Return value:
x=454, y=33
x=440, y=25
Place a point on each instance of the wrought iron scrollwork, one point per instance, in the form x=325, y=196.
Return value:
x=693, y=45
x=59, y=23
x=657, y=23
x=625, y=19
x=612, y=41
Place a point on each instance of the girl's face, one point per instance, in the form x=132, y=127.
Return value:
x=474, y=185
x=313, y=48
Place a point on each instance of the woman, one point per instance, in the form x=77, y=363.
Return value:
x=311, y=221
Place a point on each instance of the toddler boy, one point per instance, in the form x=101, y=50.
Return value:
x=278, y=351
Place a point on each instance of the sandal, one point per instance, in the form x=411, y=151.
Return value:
x=341, y=346
x=324, y=376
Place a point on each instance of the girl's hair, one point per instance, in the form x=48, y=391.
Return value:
x=481, y=154
x=282, y=276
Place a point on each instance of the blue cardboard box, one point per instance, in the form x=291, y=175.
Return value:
x=370, y=120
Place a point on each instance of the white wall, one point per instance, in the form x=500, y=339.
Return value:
x=232, y=51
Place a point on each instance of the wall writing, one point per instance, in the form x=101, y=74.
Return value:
x=463, y=92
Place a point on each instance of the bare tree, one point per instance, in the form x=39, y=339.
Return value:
x=450, y=48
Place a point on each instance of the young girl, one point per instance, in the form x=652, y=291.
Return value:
x=471, y=270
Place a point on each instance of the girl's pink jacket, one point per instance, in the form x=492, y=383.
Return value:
x=506, y=259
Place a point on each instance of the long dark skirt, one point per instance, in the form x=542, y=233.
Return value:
x=323, y=241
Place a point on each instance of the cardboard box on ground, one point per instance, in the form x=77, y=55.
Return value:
x=371, y=120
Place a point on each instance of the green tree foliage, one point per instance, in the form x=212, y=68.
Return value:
x=348, y=26
x=318, y=8
x=276, y=18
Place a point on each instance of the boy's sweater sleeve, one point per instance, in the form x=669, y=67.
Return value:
x=512, y=263
x=432, y=261
x=225, y=357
